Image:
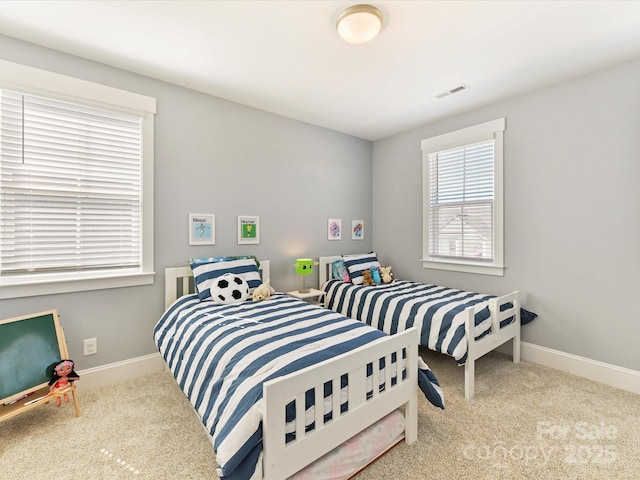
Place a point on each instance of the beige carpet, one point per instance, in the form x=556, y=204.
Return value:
x=527, y=422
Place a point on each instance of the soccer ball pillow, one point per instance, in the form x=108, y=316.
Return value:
x=229, y=288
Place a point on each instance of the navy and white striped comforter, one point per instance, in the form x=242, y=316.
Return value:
x=438, y=312
x=220, y=355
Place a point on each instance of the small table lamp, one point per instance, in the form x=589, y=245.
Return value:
x=304, y=267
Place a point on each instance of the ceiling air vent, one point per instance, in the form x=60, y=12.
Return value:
x=457, y=89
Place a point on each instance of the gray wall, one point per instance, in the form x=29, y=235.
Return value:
x=212, y=156
x=572, y=198
x=571, y=213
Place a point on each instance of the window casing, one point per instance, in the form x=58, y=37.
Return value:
x=463, y=200
x=76, y=184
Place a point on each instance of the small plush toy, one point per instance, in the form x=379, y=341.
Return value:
x=62, y=375
x=263, y=292
x=367, y=279
x=375, y=273
x=386, y=274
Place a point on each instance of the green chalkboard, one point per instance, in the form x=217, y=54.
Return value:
x=28, y=345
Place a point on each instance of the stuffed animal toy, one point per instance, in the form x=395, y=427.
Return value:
x=375, y=273
x=263, y=292
x=62, y=375
x=386, y=274
x=367, y=279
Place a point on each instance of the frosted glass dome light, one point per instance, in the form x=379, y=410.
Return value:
x=359, y=23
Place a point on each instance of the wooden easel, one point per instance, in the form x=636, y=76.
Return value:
x=40, y=395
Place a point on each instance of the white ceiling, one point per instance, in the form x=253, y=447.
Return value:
x=285, y=56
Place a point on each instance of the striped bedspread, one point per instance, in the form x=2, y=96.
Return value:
x=220, y=355
x=437, y=311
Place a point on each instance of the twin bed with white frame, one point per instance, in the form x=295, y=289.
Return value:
x=282, y=457
x=502, y=325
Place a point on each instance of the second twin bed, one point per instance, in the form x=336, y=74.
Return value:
x=463, y=325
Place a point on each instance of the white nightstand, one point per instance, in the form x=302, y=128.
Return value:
x=314, y=296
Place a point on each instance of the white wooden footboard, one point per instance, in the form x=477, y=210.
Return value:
x=282, y=459
x=501, y=308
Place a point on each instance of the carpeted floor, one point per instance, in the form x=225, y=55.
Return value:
x=527, y=422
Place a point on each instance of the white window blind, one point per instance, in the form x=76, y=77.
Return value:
x=461, y=202
x=70, y=186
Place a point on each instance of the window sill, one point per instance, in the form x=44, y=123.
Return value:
x=466, y=267
x=29, y=286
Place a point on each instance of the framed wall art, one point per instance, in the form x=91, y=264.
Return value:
x=248, y=230
x=202, y=229
x=334, y=229
x=357, y=229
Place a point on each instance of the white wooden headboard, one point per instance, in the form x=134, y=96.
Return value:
x=178, y=281
x=325, y=268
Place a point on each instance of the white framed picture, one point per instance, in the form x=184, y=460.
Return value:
x=248, y=229
x=334, y=229
x=357, y=229
x=202, y=229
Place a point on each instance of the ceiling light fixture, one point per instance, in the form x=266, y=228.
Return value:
x=359, y=23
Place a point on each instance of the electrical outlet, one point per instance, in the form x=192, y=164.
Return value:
x=90, y=346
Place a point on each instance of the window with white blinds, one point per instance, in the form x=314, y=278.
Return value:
x=463, y=200
x=70, y=186
x=76, y=184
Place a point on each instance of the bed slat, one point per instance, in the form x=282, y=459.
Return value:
x=375, y=377
x=300, y=417
x=319, y=406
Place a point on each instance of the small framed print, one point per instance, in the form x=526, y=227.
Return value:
x=357, y=229
x=202, y=229
x=334, y=229
x=248, y=230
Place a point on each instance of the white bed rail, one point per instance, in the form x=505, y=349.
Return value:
x=282, y=459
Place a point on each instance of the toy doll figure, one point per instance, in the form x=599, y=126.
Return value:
x=62, y=377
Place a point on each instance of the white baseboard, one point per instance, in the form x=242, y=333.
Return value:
x=112, y=373
x=612, y=375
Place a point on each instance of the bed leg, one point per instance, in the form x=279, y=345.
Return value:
x=411, y=420
x=516, y=350
x=469, y=375
x=516, y=338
